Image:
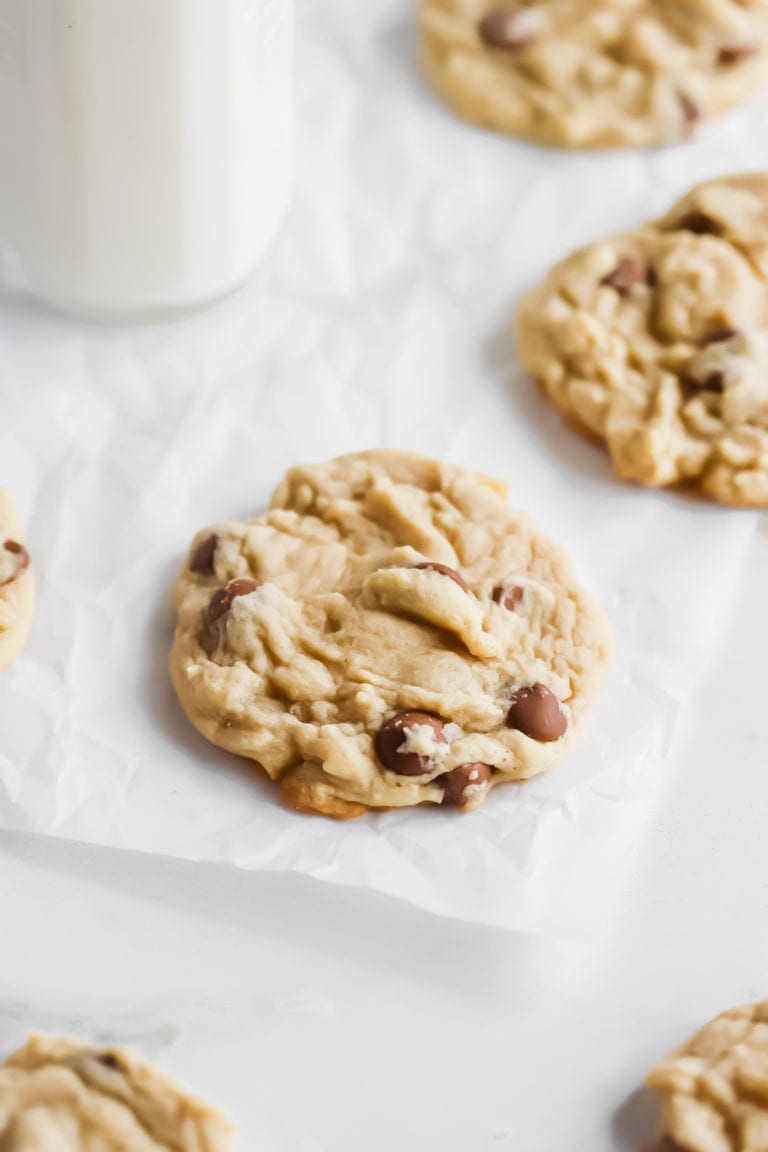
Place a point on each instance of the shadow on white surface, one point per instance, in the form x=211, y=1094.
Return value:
x=635, y=1122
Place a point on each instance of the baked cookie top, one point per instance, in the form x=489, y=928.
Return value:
x=57, y=1095
x=390, y=633
x=16, y=585
x=657, y=342
x=714, y=1088
x=595, y=73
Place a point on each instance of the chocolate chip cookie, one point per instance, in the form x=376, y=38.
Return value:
x=57, y=1095
x=595, y=73
x=657, y=343
x=713, y=1089
x=390, y=633
x=17, y=594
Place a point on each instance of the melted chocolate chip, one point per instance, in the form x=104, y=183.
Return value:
x=628, y=273
x=204, y=555
x=108, y=1059
x=698, y=222
x=736, y=53
x=718, y=336
x=503, y=29
x=392, y=736
x=20, y=559
x=223, y=598
x=444, y=570
x=690, y=109
x=508, y=596
x=461, y=783
x=536, y=712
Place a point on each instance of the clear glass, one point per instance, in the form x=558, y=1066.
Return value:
x=145, y=148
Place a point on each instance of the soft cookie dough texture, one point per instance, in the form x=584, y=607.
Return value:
x=17, y=593
x=595, y=73
x=714, y=1089
x=390, y=633
x=656, y=342
x=57, y=1095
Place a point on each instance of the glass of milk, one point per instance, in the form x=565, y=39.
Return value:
x=145, y=149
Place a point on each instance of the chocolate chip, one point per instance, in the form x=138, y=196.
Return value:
x=508, y=596
x=717, y=336
x=698, y=222
x=202, y=559
x=461, y=783
x=223, y=598
x=629, y=272
x=503, y=28
x=20, y=561
x=392, y=736
x=444, y=570
x=736, y=53
x=536, y=712
x=690, y=109
x=714, y=382
x=108, y=1059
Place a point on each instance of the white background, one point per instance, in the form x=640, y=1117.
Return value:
x=337, y=1020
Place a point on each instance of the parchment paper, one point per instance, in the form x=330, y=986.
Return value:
x=381, y=317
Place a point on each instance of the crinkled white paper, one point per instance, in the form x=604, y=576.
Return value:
x=380, y=318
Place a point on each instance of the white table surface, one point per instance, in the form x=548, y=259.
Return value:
x=333, y=1020
x=336, y=1021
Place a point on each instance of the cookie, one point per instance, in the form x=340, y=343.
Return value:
x=57, y=1095
x=714, y=1090
x=656, y=342
x=390, y=633
x=17, y=593
x=595, y=73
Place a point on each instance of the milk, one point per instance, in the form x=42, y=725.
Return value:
x=145, y=148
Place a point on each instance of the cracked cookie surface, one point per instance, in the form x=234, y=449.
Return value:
x=595, y=73
x=57, y=1095
x=714, y=1088
x=17, y=595
x=656, y=341
x=390, y=633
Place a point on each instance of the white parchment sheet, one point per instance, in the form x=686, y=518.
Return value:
x=380, y=318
